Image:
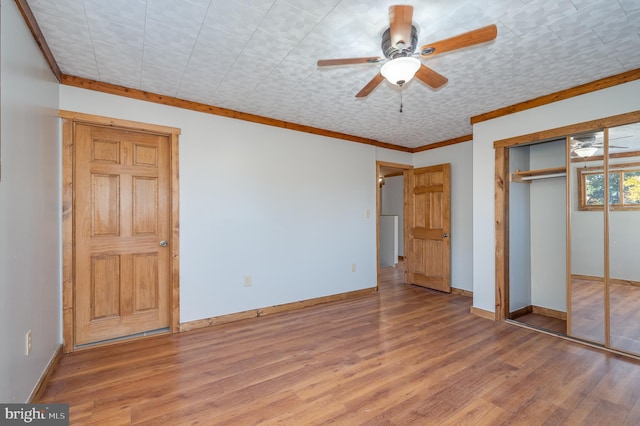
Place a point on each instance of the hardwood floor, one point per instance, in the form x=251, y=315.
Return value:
x=587, y=310
x=544, y=322
x=406, y=355
x=588, y=315
x=625, y=317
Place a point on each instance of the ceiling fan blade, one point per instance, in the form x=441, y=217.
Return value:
x=349, y=61
x=375, y=81
x=430, y=77
x=481, y=35
x=400, y=20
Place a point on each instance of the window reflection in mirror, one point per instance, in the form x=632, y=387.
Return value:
x=624, y=187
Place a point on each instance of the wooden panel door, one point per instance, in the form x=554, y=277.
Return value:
x=122, y=232
x=427, y=227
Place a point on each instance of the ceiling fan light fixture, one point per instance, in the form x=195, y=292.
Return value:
x=399, y=71
x=587, y=151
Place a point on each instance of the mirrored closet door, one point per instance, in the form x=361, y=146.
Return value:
x=604, y=290
x=623, y=251
x=573, y=234
x=586, y=222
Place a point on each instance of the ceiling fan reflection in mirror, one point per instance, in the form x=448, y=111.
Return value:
x=399, y=43
x=587, y=145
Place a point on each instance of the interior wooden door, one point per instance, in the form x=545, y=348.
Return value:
x=427, y=227
x=122, y=233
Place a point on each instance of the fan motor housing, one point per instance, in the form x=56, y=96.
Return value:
x=392, y=52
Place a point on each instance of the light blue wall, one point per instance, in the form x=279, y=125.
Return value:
x=285, y=207
x=392, y=203
x=519, y=233
x=30, y=289
x=548, y=229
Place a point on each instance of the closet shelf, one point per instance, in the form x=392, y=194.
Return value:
x=529, y=175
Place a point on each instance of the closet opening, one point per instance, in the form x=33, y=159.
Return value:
x=568, y=232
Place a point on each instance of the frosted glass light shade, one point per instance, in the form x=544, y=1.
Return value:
x=586, y=151
x=400, y=70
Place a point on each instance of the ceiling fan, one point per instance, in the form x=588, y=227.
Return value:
x=399, y=43
x=587, y=145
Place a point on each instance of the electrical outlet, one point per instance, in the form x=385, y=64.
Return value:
x=28, y=343
x=353, y=267
x=247, y=280
x=367, y=214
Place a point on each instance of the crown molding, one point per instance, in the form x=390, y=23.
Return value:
x=460, y=139
x=603, y=83
x=127, y=92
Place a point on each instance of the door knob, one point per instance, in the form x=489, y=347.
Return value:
x=445, y=235
x=163, y=243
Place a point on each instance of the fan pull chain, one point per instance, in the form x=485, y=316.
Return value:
x=401, y=100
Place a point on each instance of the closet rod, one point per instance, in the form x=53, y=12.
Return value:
x=552, y=175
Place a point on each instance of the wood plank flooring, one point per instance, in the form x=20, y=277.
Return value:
x=587, y=310
x=406, y=355
x=544, y=322
x=588, y=315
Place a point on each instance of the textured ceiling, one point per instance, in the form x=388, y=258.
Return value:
x=259, y=56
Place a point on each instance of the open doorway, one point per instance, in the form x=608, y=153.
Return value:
x=418, y=203
x=390, y=221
